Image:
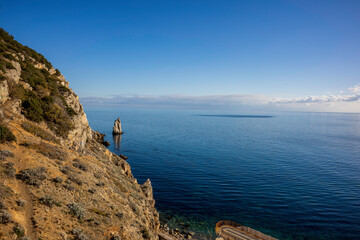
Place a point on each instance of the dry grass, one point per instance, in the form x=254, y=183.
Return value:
x=39, y=132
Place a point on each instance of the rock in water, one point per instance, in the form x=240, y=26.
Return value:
x=117, y=127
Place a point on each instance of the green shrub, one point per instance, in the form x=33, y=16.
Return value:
x=9, y=65
x=32, y=107
x=32, y=75
x=6, y=135
x=38, y=109
x=2, y=68
x=17, y=92
x=9, y=56
x=63, y=89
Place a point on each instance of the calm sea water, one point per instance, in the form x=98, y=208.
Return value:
x=290, y=175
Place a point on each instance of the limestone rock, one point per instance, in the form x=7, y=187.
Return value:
x=40, y=66
x=117, y=127
x=14, y=105
x=4, y=92
x=14, y=74
x=97, y=136
x=147, y=189
x=26, y=85
x=82, y=132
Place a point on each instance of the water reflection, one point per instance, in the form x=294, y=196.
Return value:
x=117, y=141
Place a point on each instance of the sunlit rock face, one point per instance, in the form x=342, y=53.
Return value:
x=117, y=127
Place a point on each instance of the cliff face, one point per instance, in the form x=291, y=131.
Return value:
x=57, y=180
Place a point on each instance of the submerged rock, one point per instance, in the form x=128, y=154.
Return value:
x=117, y=127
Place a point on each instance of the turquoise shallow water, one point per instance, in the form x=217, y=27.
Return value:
x=290, y=175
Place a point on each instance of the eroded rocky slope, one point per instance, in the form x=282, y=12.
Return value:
x=56, y=180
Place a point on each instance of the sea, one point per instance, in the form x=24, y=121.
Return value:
x=292, y=175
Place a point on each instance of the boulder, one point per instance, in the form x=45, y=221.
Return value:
x=117, y=127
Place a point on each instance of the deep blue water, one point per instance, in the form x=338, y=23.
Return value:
x=290, y=175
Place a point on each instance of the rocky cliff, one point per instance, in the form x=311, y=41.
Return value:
x=57, y=181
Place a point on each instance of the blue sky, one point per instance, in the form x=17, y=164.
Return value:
x=286, y=49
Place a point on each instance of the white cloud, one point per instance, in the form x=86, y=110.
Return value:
x=320, y=99
x=340, y=102
x=355, y=89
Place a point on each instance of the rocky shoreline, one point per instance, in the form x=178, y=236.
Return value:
x=181, y=228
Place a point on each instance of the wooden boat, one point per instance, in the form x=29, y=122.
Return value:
x=229, y=230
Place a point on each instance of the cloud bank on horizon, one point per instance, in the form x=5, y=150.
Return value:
x=343, y=102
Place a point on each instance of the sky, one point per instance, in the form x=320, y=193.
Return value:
x=286, y=54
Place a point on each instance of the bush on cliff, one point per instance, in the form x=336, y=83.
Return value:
x=6, y=135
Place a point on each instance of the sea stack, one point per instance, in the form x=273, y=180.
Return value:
x=117, y=127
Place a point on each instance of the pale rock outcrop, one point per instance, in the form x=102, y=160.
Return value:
x=117, y=127
x=40, y=66
x=63, y=81
x=52, y=71
x=14, y=105
x=73, y=101
x=147, y=189
x=4, y=92
x=82, y=132
x=14, y=74
x=25, y=85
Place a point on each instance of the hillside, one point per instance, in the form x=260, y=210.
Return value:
x=57, y=180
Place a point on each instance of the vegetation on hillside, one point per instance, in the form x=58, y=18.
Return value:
x=6, y=135
x=44, y=99
x=9, y=45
